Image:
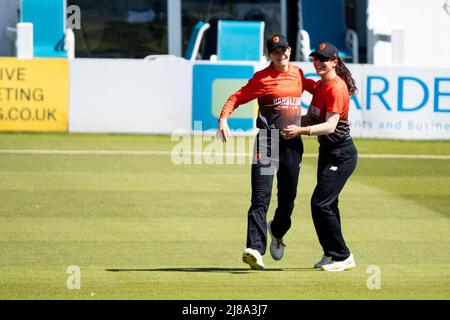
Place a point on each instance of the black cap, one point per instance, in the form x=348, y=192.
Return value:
x=276, y=41
x=327, y=50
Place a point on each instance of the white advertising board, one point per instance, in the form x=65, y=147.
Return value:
x=130, y=96
x=140, y=96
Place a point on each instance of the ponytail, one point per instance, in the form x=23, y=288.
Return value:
x=345, y=74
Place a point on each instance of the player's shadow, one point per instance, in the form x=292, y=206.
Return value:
x=211, y=270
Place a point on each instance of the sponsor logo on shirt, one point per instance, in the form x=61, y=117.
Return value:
x=287, y=102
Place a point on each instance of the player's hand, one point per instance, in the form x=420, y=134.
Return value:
x=291, y=131
x=223, y=132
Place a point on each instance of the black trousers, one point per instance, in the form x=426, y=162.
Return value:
x=335, y=166
x=272, y=155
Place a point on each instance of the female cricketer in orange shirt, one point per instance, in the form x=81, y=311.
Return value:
x=327, y=118
x=278, y=89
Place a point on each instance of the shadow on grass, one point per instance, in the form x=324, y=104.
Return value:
x=216, y=270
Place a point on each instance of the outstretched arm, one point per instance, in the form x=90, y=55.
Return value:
x=250, y=91
x=307, y=84
x=320, y=129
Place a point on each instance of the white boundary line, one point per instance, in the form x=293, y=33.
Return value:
x=190, y=153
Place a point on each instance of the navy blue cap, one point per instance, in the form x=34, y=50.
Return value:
x=276, y=41
x=327, y=50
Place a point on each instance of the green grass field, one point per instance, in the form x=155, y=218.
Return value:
x=141, y=227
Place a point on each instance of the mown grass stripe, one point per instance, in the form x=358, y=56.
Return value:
x=194, y=153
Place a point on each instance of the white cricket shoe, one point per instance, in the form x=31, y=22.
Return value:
x=336, y=266
x=323, y=261
x=276, y=245
x=253, y=258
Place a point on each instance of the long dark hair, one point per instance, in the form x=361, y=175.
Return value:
x=345, y=74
